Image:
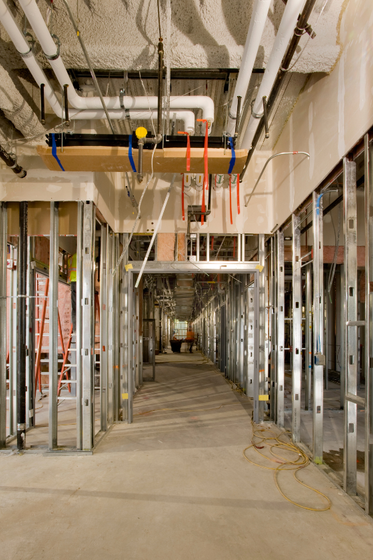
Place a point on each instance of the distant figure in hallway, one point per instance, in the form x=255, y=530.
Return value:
x=190, y=338
x=71, y=278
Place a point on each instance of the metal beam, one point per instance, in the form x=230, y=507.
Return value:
x=351, y=348
x=263, y=389
x=104, y=326
x=309, y=346
x=297, y=330
x=53, y=324
x=368, y=167
x=280, y=329
x=318, y=331
x=88, y=324
x=77, y=337
x=3, y=321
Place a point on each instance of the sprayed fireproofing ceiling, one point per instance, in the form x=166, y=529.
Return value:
x=203, y=41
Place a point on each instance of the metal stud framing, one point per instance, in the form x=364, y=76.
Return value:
x=318, y=331
x=263, y=389
x=53, y=325
x=297, y=330
x=78, y=334
x=368, y=165
x=280, y=328
x=272, y=330
x=87, y=302
x=351, y=349
x=308, y=337
x=3, y=321
x=103, y=326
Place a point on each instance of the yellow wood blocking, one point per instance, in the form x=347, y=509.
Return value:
x=169, y=160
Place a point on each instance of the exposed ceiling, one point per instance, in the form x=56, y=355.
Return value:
x=121, y=37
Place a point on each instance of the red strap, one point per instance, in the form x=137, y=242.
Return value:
x=188, y=150
x=238, y=194
x=182, y=197
x=230, y=198
x=206, y=167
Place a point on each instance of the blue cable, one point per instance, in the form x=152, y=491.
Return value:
x=233, y=158
x=54, y=152
x=130, y=156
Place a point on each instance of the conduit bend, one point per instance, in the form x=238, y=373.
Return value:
x=284, y=34
x=49, y=47
x=267, y=162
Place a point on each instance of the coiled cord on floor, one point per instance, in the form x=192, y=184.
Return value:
x=273, y=442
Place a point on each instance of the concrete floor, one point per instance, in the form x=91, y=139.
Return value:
x=174, y=484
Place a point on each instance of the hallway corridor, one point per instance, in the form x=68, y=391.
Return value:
x=173, y=485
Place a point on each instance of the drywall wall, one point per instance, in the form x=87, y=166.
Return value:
x=331, y=115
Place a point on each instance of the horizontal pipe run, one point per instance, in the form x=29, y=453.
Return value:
x=48, y=45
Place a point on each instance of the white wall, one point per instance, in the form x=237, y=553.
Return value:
x=331, y=115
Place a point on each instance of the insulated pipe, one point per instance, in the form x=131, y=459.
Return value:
x=48, y=45
x=284, y=34
x=254, y=35
x=12, y=163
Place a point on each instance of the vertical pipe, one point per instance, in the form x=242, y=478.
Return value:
x=308, y=337
x=21, y=326
x=103, y=326
x=77, y=337
x=351, y=349
x=368, y=164
x=3, y=322
x=42, y=103
x=13, y=344
x=53, y=324
x=318, y=331
x=88, y=401
x=66, y=104
x=110, y=331
x=297, y=330
x=160, y=85
x=280, y=329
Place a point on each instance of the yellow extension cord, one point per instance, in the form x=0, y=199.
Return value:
x=301, y=462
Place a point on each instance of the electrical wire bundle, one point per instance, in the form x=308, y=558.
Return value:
x=273, y=443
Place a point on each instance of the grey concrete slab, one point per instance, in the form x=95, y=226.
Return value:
x=174, y=484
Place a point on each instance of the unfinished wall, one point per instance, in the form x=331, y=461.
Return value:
x=332, y=114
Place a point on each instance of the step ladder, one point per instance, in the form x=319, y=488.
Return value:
x=41, y=319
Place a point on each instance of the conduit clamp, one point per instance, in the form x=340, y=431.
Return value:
x=58, y=45
x=206, y=162
x=130, y=156
x=54, y=151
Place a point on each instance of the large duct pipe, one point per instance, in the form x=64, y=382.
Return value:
x=284, y=34
x=49, y=47
x=254, y=35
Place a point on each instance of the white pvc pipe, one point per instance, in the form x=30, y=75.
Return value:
x=254, y=36
x=285, y=32
x=32, y=64
x=49, y=47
